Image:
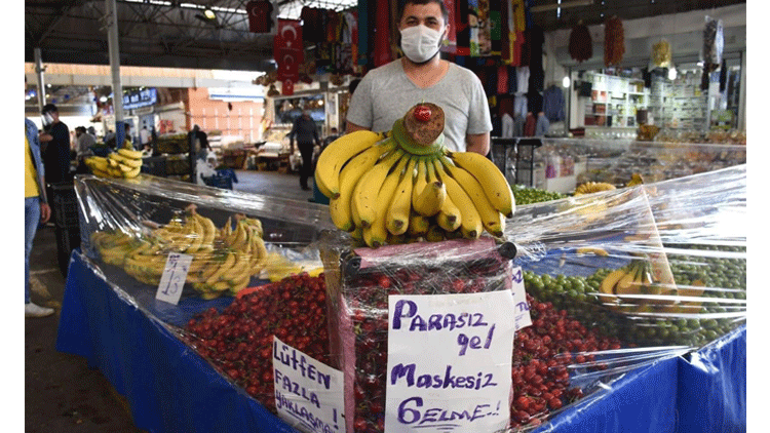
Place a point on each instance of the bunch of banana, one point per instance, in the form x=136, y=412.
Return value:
x=405, y=186
x=224, y=260
x=592, y=187
x=619, y=288
x=123, y=164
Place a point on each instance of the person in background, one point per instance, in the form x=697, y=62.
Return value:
x=203, y=142
x=144, y=137
x=36, y=209
x=83, y=148
x=333, y=135
x=55, y=143
x=305, y=131
x=388, y=92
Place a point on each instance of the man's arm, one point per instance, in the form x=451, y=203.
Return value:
x=478, y=143
x=45, y=209
x=353, y=127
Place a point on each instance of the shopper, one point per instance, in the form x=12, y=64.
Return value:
x=55, y=143
x=36, y=209
x=305, y=131
x=84, y=143
x=386, y=93
x=203, y=146
x=144, y=137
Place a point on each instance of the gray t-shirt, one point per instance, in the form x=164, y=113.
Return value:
x=386, y=94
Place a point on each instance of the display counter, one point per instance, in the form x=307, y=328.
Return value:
x=561, y=164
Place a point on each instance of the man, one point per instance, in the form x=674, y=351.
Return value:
x=203, y=142
x=55, y=141
x=144, y=137
x=386, y=93
x=306, y=133
x=36, y=209
x=84, y=143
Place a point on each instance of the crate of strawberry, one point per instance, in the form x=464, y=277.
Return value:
x=359, y=283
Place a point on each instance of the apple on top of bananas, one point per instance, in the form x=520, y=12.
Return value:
x=405, y=186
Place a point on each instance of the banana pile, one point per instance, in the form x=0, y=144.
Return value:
x=620, y=288
x=224, y=259
x=592, y=187
x=405, y=186
x=125, y=164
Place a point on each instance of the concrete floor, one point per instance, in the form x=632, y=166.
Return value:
x=62, y=394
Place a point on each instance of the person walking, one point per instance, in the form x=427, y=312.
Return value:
x=305, y=132
x=36, y=209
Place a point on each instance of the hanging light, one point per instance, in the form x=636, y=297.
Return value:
x=565, y=82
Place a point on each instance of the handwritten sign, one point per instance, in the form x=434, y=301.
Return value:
x=521, y=310
x=308, y=394
x=173, y=278
x=449, y=362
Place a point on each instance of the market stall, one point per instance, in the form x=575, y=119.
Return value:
x=150, y=351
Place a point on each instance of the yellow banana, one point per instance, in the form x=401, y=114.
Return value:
x=470, y=221
x=493, y=182
x=397, y=216
x=131, y=173
x=240, y=236
x=420, y=181
x=237, y=286
x=626, y=284
x=432, y=198
x=376, y=233
x=340, y=207
x=366, y=192
x=357, y=233
x=120, y=159
x=418, y=225
x=224, y=267
x=260, y=256
x=336, y=154
x=196, y=234
x=240, y=269
x=491, y=218
x=609, y=282
x=209, y=232
x=449, y=217
x=131, y=154
x=97, y=163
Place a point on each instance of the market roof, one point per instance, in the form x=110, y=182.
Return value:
x=166, y=33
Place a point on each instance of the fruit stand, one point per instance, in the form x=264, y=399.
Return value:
x=605, y=311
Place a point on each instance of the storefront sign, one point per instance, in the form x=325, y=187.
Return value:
x=449, y=362
x=309, y=395
x=141, y=98
x=521, y=311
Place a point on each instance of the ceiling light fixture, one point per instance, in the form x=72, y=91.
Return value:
x=565, y=82
x=555, y=6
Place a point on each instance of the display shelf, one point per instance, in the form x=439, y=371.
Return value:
x=615, y=97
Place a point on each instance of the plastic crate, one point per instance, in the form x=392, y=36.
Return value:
x=67, y=240
x=154, y=165
x=219, y=181
x=64, y=205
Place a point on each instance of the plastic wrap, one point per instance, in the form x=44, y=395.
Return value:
x=617, y=161
x=359, y=282
x=234, y=240
x=684, y=240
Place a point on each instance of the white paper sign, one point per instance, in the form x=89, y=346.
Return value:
x=173, y=278
x=449, y=362
x=521, y=309
x=309, y=395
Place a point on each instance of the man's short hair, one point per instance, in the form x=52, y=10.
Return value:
x=50, y=108
x=444, y=10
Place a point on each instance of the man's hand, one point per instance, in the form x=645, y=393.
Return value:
x=45, y=213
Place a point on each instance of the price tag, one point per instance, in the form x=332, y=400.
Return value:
x=173, y=278
x=521, y=306
x=308, y=394
x=449, y=363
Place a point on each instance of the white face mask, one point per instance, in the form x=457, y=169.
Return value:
x=420, y=43
x=47, y=119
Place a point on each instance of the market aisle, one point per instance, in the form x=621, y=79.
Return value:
x=62, y=394
x=271, y=183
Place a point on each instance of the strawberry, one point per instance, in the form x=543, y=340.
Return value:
x=422, y=113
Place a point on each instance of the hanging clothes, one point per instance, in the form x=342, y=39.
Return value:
x=553, y=104
x=530, y=125
x=507, y=126
x=542, y=125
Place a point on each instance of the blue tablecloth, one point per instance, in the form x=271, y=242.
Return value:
x=172, y=389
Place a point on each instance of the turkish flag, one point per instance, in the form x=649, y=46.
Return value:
x=288, y=49
x=287, y=87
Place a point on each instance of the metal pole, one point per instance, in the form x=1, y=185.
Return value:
x=114, y=52
x=39, y=69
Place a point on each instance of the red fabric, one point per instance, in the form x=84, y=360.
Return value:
x=502, y=79
x=260, y=16
x=288, y=49
x=382, y=54
x=463, y=28
x=530, y=125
